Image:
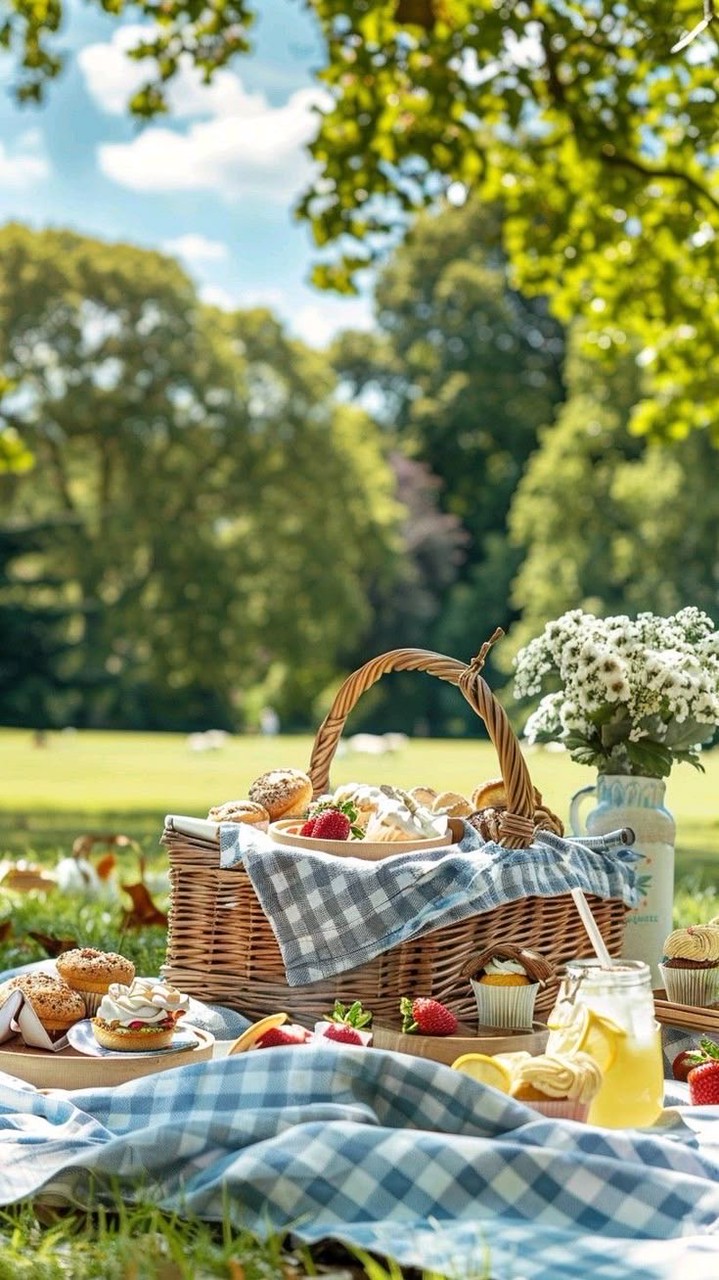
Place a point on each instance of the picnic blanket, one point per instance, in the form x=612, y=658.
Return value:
x=394, y=1154
x=331, y=914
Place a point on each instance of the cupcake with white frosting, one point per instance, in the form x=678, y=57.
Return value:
x=506, y=979
x=690, y=968
x=142, y=1016
x=557, y=1085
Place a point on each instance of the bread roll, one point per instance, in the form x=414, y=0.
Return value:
x=241, y=811
x=284, y=793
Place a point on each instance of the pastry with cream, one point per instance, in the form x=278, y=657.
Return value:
x=142, y=1016
x=399, y=818
x=558, y=1085
x=506, y=979
x=690, y=967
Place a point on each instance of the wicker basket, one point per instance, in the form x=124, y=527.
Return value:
x=221, y=947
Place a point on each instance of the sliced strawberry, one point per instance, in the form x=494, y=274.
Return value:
x=342, y=1033
x=332, y=825
x=309, y=827
x=290, y=1033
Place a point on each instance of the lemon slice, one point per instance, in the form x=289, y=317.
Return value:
x=249, y=1038
x=566, y=1036
x=484, y=1069
x=600, y=1039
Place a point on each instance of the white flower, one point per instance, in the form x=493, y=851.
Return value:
x=640, y=676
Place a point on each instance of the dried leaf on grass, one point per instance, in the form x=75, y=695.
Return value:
x=144, y=912
x=54, y=946
x=105, y=866
x=5, y=930
x=83, y=846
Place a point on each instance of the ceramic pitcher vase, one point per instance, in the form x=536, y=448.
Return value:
x=623, y=801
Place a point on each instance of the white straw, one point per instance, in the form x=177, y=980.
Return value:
x=592, y=929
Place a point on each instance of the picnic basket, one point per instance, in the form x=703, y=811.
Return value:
x=221, y=947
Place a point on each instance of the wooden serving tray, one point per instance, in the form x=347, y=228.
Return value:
x=68, y=1069
x=448, y=1048
x=689, y=1016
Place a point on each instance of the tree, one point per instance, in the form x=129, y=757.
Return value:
x=600, y=141
x=609, y=522
x=211, y=512
x=468, y=370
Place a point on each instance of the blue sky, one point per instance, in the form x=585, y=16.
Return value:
x=213, y=184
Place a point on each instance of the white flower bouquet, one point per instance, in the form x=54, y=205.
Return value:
x=628, y=696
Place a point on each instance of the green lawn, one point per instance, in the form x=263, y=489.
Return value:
x=129, y=781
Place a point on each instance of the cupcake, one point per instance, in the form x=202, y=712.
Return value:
x=91, y=973
x=690, y=969
x=142, y=1016
x=506, y=980
x=55, y=1005
x=557, y=1085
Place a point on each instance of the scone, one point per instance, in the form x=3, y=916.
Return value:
x=284, y=793
x=91, y=972
x=255, y=815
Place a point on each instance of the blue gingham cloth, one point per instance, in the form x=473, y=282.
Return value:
x=397, y=1155
x=330, y=914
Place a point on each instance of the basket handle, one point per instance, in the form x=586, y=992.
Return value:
x=517, y=823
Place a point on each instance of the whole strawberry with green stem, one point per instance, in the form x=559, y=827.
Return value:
x=703, y=1076
x=330, y=821
x=429, y=1017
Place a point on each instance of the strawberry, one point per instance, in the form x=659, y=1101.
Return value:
x=342, y=1033
x=309, y=827
x=427, y=1016
x=683, y=1063
x=704, y=1084
x=332, y=825
x=290, y=1033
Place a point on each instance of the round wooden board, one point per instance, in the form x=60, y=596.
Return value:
x=282, y=832
x=68, y=1069
x=448, y=1048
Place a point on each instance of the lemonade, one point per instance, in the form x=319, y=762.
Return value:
x=609, y=1013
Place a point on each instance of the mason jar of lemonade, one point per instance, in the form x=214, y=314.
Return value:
x=609, y=1014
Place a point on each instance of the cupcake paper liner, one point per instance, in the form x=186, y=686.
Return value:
x=92, y=1001
x=691, y=986
x=560, y=1108
x=509, y=1007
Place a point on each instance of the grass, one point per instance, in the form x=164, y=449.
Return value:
x=108, y=783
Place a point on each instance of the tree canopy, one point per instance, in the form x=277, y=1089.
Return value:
x=600, y=141
x=202, y=513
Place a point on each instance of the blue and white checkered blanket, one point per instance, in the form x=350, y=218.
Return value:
x=397, y=1155
x=331, y=914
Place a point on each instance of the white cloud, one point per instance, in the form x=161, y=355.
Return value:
x=111, y=78
x=318, y=322
x=24, y=168
x=195, y=248
x=213, y=295
x=237, y=144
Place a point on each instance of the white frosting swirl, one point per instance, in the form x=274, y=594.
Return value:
x=697, y=942
x=143, y=1001
x=556, y=1075
x=495, y=965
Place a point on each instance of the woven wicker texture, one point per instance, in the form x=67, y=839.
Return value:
x=221, y=947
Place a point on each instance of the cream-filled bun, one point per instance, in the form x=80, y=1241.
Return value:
x=141, y=1016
